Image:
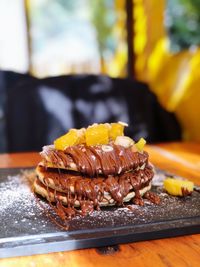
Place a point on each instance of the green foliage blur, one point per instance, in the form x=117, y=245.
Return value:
x=103, y=17
x=182, y=20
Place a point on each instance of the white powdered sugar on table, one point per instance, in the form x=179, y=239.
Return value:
x=21, y=215
x=19, y=198
x=19, y=209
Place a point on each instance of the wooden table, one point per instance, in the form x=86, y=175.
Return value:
x=180, y=158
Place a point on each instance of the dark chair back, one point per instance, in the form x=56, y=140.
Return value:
x=40, y=110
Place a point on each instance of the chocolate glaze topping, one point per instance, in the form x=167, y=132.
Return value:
x=94, y=160
x=102, y=174
x=185, y=192
x=90, y=192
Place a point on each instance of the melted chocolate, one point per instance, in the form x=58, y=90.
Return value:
x=90, y=192
x=102, y=174
x=94, y=160
x=152, y=197
x=185, y=192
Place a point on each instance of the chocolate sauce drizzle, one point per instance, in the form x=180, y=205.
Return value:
x=94, y=160
x=89, y=193
x=105, y=174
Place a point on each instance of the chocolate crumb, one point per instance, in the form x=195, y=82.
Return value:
x=185, y=192
x=155, y=199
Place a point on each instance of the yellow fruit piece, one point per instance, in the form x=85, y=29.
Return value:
x=140, y=144
x=116, y=129
x=176, y=187
x=73, y=137
x=81, y=134
x=96, y=134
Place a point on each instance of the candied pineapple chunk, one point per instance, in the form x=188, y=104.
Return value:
x=140, y=144
x=81, y=134
x=96, y=134
x=178, y=187
x=116, y=129
x=73, y=137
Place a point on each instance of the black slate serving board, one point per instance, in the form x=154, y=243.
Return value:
x=25, y=228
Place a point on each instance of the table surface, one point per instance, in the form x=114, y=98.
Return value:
x=180, y=158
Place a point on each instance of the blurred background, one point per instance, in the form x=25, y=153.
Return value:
x=48, y=37
x=156, y=42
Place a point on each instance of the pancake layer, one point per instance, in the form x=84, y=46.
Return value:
x=102, y=191
x=83, y=178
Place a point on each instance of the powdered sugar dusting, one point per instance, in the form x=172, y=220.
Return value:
x=160, y=176
x=21, y=215
x=10, y=198
x=18, y=207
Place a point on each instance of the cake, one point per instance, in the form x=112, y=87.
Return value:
x=92, y=167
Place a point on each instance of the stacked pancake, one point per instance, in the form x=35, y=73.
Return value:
x=86, y=175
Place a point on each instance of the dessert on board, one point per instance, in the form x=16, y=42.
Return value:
x=92, y=167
